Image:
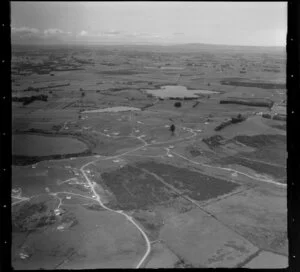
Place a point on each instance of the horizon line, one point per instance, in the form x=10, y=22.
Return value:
x=142, y=43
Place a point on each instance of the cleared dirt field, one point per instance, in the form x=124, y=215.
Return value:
x=135, y=189
x=196, y=185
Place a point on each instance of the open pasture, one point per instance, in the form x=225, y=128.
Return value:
x=173, y=185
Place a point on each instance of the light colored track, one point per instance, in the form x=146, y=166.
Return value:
x=20, y=200
x=98, y=199
x=231, y=170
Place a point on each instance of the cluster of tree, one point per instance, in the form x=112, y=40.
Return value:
x=45, y=87
x=239, y=118
x=213, y=141
x=147, y=106
x=172, y=128
x=183, y=98
x=82, y=61
x=181, y=263
x=267, y=115
x=196, y=104
x=82, y=92
x=279, y=117
x=271, y=70
x=29, y=99
x=177, y=104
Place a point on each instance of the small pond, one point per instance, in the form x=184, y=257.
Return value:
x=177, y=91
x=38, y=145
x=113, y=109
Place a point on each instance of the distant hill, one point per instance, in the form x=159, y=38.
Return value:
x=171, y=48
x=202, y=46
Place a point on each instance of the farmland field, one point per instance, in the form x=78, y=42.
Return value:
x=101, y=178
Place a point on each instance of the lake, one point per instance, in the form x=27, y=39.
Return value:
x=113, y=109
x=177, y=91
x=38, y=145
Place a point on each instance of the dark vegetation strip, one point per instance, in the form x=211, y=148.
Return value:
x=262, y=85
x=278, y=117
x=184, y=98
x=66, y=69
x=29, y=89
x=257, y=102
x=234, y=120
x=29, y=99
x=147, y=106
x=28, y=160
x=120, y=72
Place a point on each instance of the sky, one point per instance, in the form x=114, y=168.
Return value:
x=231, y=23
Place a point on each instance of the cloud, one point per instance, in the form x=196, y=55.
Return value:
x=83, y=33
x=135, y=34
x=33, y=35
x=150, y=36
x=53, y=31
x=25, y=34
x=112, y=32
x=143, y=35
x=24, y=30
x=178, y=33
x=55, y=35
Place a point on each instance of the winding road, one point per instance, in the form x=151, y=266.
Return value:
x=96, y=197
